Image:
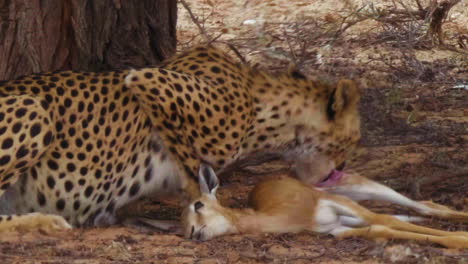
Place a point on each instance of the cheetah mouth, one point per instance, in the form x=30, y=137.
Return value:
x=332, y=178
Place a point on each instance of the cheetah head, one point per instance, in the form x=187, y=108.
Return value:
x=313, y=125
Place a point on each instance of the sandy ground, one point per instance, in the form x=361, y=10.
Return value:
x=415, y=128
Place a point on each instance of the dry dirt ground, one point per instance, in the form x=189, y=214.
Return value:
x=415, y=119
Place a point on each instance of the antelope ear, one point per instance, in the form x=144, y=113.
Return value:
x=294, y=72
x=344, y=97
x=207, y=179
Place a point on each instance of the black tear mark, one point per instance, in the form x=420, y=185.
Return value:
x=330, y=111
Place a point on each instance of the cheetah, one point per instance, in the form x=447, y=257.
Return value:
x=77, y=146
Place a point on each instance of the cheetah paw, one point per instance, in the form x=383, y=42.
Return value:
x=35, y=221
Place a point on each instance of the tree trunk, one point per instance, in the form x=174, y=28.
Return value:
x=92, y=35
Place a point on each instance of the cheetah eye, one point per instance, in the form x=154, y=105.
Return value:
x=198, y=205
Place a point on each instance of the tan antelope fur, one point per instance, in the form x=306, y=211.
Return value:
x=288, y=205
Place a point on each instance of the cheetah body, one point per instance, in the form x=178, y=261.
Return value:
x=82, y=145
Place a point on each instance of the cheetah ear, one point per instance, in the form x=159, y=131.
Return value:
x=344, y=97
x=207, y=180
x=294, y=72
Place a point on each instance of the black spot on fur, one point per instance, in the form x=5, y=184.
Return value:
x=134, y=189
x=149, y=174
x=22, y=151
x=41, y=200
x=20, y=112
x=60, y=204
x=16, y=127
x=52, y=165
x=35, y=129
x=68, y=186
x=4, y=160
x=88, y=191
x=7, y=143
x=50, y=182
x=148, y=75
x=215, y=69
x=48, y=138
x=330, y=112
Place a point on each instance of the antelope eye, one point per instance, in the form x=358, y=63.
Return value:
x=198, y=205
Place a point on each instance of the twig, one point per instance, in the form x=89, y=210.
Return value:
x=349, y=24
x=215, y=38
x=195, y=20
x=419, y=5
x=291, y=50
x=236, y=51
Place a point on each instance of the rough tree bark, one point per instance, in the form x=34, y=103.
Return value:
x=46, y=35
